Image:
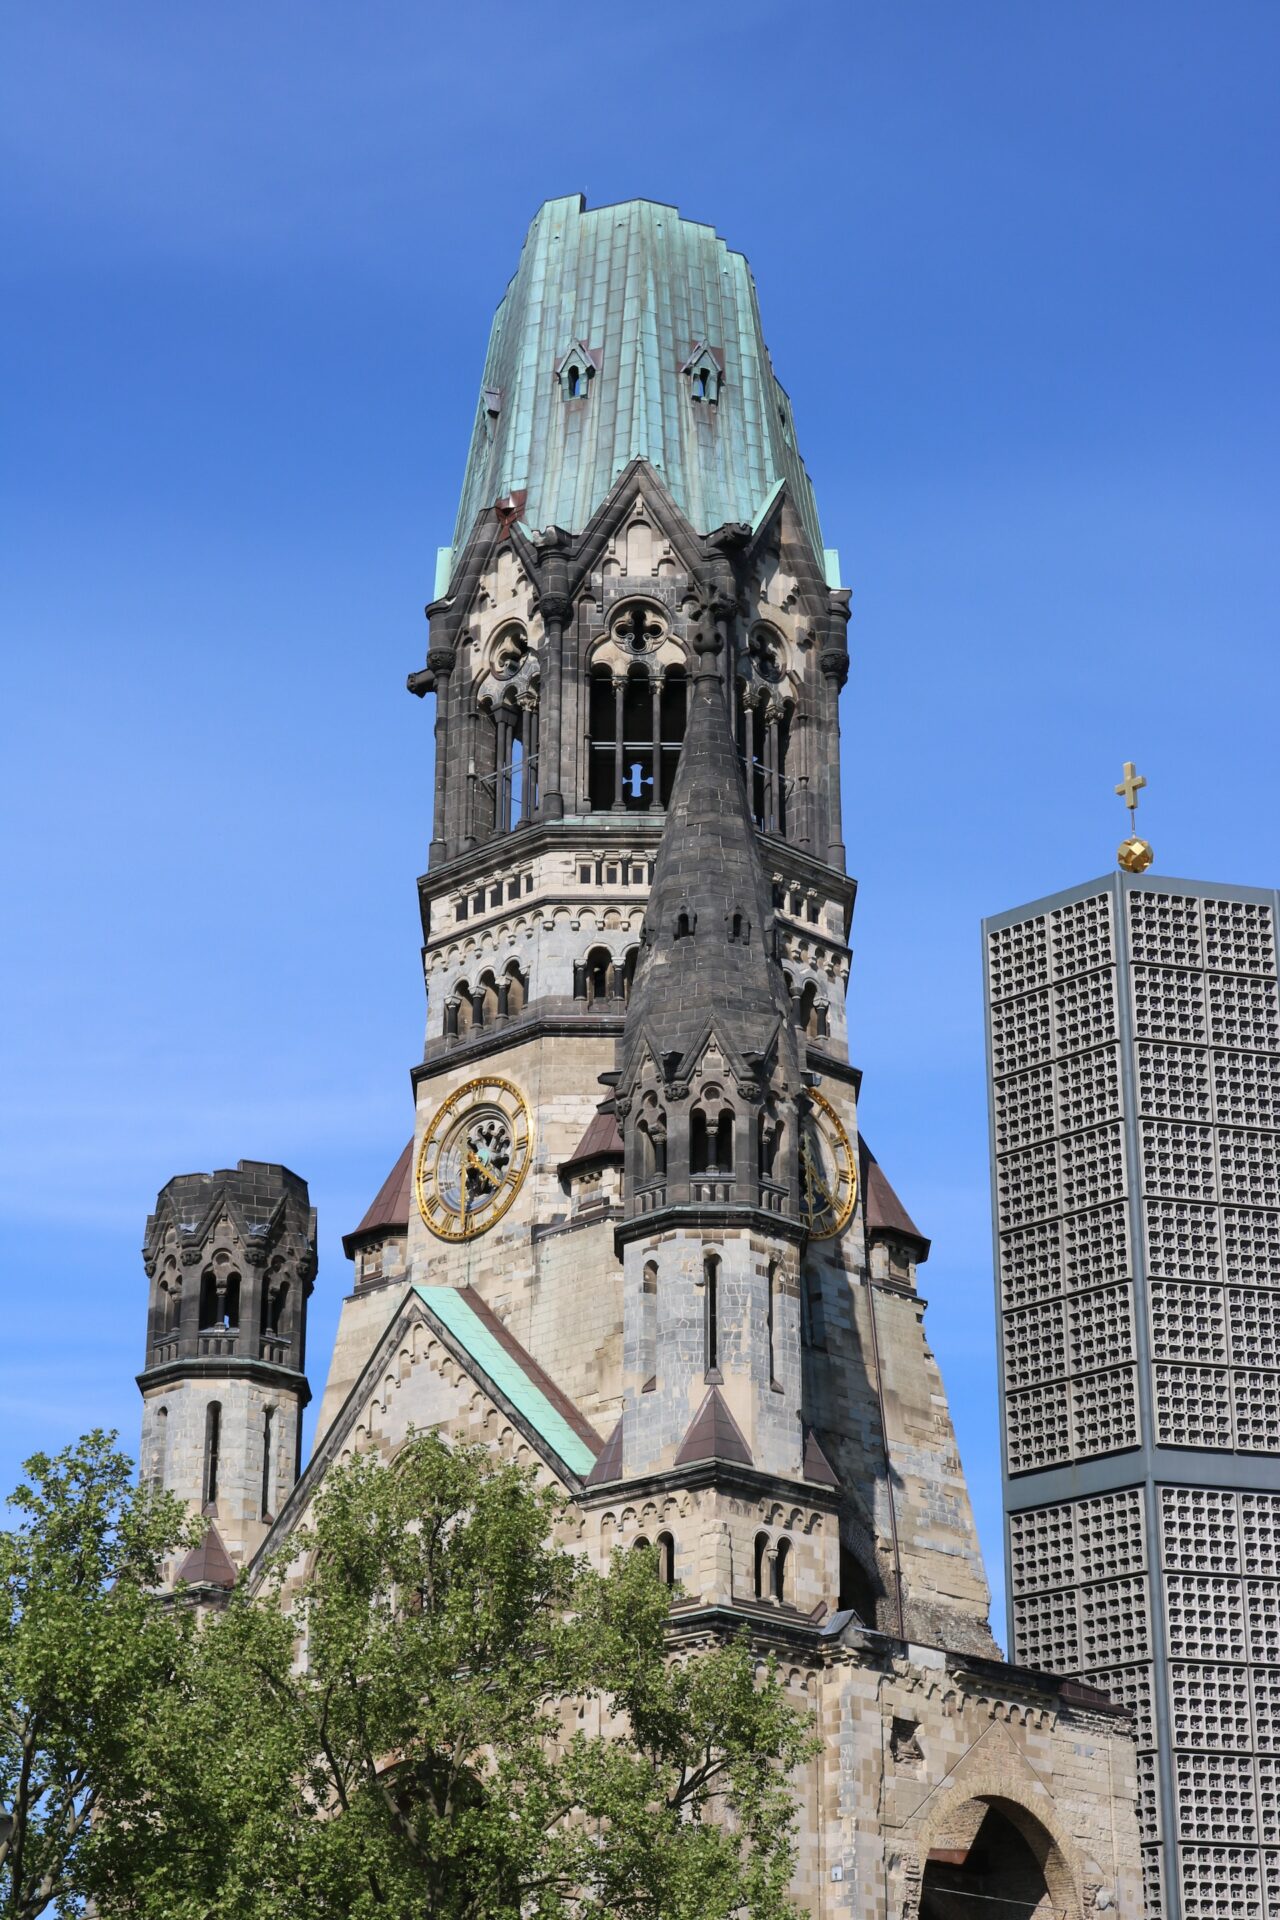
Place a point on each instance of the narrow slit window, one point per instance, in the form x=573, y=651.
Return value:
x=711, y=1308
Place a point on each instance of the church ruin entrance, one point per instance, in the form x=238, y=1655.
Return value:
x=998, y=1862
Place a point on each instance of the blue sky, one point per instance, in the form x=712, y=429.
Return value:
x=1018, y=269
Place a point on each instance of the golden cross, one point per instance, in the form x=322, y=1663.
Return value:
x=1129, y=787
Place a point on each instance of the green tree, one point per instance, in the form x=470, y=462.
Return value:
x=454, y=1718
x=85, y=1646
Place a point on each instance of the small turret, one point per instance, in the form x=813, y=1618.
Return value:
x=231, y=1258
x=707, y=1096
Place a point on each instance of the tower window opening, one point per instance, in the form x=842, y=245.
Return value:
x=602, y=976
x=460, y=1019
x=764, y=738
x=761, y=1564
x=771, y=1294
x=666, y=1559
x=812, y=1017
x=212, y=1447
x=770, y=1139
x=506, y=766
x=514, y=989
x=635, y=728
x=219, y=1301
x=782, y=1572
x=574, y=383
x=652, y=1128
x=673, y=706
x=268, y=1420
x=711, y=1310
x=274, y=1299
x=711, y=1144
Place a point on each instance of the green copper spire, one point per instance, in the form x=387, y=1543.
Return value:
x=629, y=333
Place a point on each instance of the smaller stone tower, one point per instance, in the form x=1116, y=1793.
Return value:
x=231, y=1258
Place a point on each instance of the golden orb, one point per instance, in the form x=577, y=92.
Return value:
x=1134, y=854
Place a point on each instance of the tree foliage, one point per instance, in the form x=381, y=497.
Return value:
x=85, y=1648
x=453, y=1717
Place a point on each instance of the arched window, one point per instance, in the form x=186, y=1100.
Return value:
x=711, y=1142
x=673, y=709
x=506, y=762
x=782, y=1572
x=629, y=960
x=810, y=1014
x=761, y=1563
x=461, y=1018
x=640, y=1545
x=635, y=721
x=684, y=924
x=770, y=1142
x=573, y=383
x=666, y=1559
x=601, y=976
x=652, y=1125
x=487, y=994
x=220, y=1298
x=711, y=1311
x=212, y=1449
x=513, y=991
x=275, y=1295
x=764, y=738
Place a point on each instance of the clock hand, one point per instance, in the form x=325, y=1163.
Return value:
x=474, y=1161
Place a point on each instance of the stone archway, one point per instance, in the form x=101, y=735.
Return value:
x=991, y=1856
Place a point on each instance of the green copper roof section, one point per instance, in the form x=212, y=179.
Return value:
x=528, y=1399
x=640, y=288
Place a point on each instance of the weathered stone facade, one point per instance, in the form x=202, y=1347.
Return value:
x=636, y=1240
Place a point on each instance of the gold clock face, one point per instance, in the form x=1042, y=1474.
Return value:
x=473, y=1157
x=828, y=1170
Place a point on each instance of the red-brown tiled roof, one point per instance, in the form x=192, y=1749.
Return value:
x=882, y=1209
x=714, y=1434
x=390, y=1208
x=601, y=1141
x=209, y=1564
x=609, y=1465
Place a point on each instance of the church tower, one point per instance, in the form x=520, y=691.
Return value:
x=230, y=1257
x=636, y=1243
x=636, y=1136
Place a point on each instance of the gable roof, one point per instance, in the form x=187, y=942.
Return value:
x=390, y=1206
x=530, y=1392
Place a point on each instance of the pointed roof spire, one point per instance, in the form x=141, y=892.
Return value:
x=707, y=963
